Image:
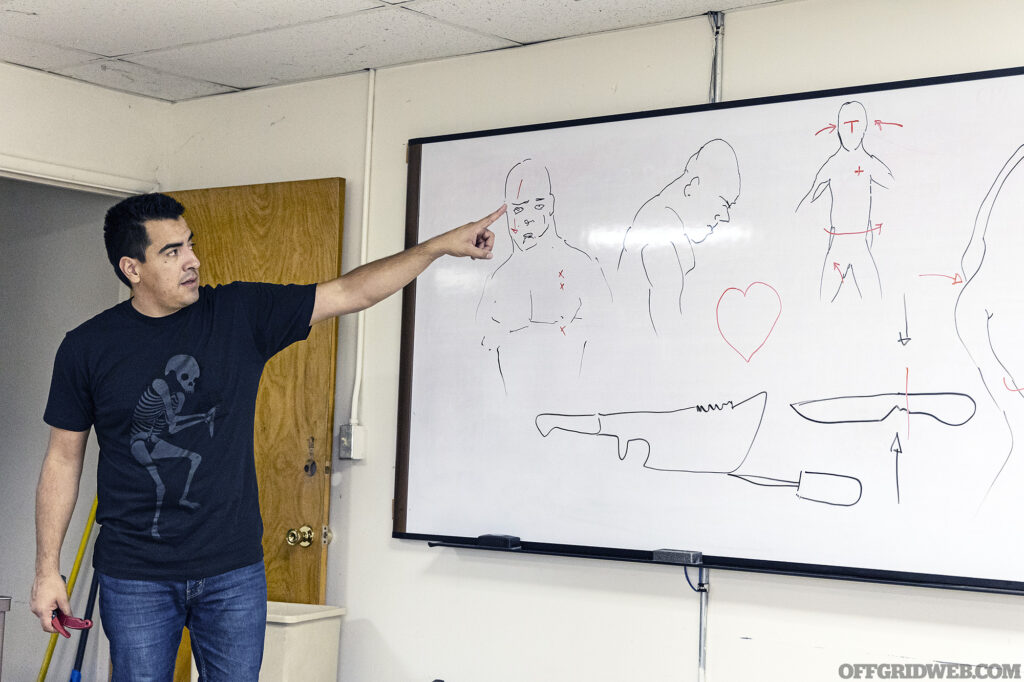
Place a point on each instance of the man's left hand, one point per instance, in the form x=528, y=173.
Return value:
x=472, y=239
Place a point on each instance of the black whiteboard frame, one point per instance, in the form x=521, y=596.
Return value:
x=400, y=502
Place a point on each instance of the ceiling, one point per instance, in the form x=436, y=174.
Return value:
x=177, y=50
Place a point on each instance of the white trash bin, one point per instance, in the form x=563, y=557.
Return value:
x=301, y=643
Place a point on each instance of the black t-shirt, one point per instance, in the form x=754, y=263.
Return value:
x=173, y=400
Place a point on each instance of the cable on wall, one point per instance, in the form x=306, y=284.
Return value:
x=717, y=21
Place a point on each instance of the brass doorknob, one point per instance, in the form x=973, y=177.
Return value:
x=303, y=537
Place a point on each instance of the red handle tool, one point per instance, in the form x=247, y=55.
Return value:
x=61, y=623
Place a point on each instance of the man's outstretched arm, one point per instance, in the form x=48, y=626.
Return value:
x=55, y=502
x=375, y=281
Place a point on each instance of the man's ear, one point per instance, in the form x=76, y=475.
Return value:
x=130, y=268
x=692, y=186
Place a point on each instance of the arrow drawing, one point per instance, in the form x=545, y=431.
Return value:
x=905, y=334
x=955, y=277
x=880, y=123
x=898, y=450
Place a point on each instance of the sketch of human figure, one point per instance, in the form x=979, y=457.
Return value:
x=534, y=304
x=158, y=414
x=657, y=253
x=989, y=311
x=850, y=175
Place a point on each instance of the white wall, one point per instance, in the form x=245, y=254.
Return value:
x=55, y=127
x=417, y=613
x=55, y=276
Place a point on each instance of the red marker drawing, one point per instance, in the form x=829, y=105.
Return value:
x=876, y=228
x=830, y=127
x=1007, y=386
x=955, y=277
x=906, y=391
x=749, y=317
x=886, y=123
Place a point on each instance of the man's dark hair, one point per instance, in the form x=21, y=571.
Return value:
x=124, y=229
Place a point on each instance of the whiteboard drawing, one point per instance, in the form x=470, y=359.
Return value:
x=989, y=314
x=711, y=438
x=747, y=317
x=657, y=253
x=950, y=409
x=897, y=449
x=826, y=288
x=533, y=304
x=815, y=486
x=707, y=438
x=849, y=176
x=904, y=335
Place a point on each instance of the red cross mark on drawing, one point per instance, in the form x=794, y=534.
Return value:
x=562, y=329
x=859, y=170
x=561, y=274
x=561, y=285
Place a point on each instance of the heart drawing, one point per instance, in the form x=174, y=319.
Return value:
x=746, y=317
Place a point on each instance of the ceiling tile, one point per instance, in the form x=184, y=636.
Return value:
x=374, y=38
x=39, y=55
x=121, y=75
x=530, y=22
x=118, y=27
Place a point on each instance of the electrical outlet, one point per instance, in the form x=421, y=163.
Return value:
x=352, y=441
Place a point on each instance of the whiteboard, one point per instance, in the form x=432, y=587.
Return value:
x=785, y=333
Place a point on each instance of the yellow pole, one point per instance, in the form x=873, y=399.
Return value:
x=71, y=587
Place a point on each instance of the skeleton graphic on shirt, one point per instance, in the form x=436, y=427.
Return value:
x=157, y=413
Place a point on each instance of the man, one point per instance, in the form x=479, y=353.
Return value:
x=533, y=304
x=171, y=374
x=850, y=175
x=657, y=252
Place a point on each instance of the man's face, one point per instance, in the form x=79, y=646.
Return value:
x=711, y=202
x=169, y=277
x=852, y=124
x=529, y=218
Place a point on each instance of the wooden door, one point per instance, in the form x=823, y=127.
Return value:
x=287, y=232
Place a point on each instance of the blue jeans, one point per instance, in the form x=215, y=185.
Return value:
x=226, y=616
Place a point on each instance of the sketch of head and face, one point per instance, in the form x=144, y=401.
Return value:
x=852, y=123
x=707, y=189
x=531, y=205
